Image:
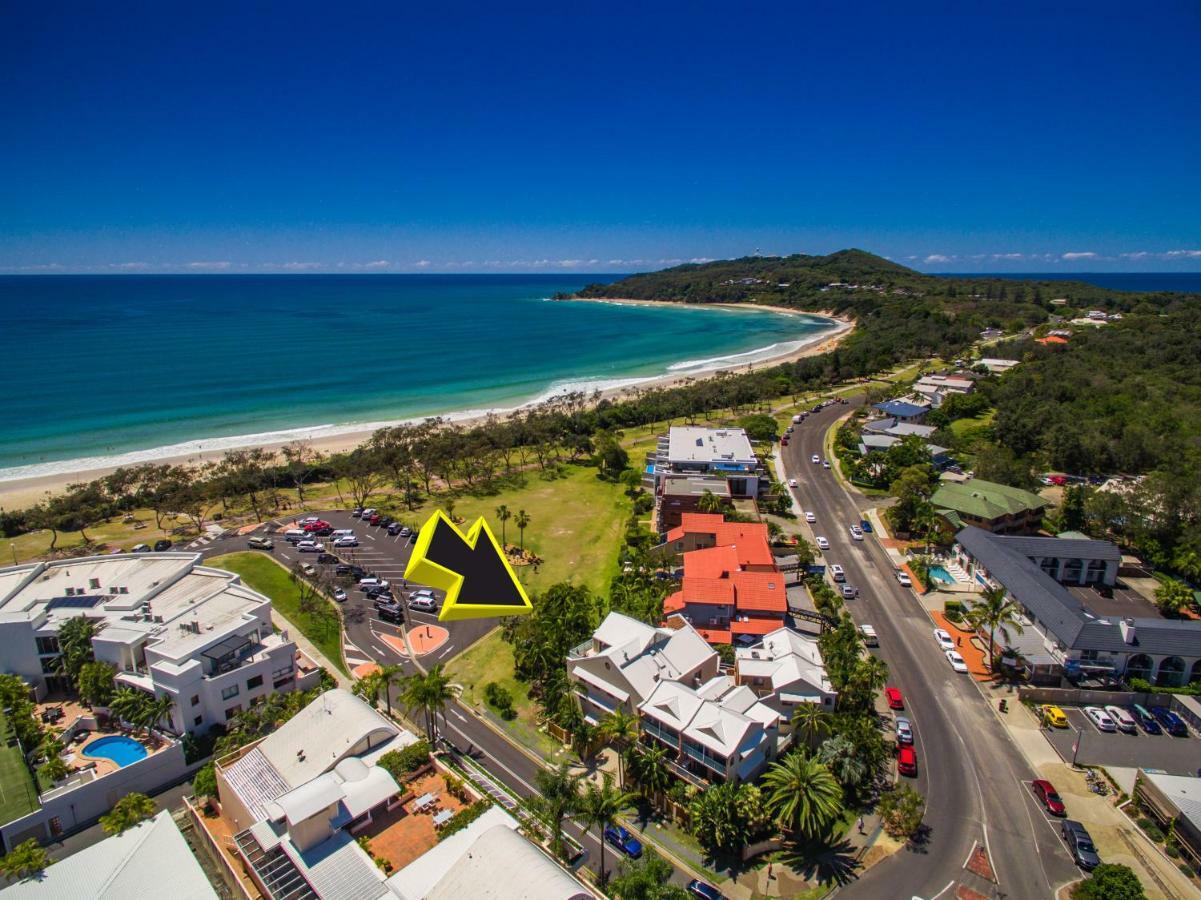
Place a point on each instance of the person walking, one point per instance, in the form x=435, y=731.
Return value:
x=861, y=824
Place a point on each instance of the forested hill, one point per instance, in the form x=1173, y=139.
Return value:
x=901, y=313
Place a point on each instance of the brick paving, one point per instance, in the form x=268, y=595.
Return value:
x=403, y=835
x=969, y=645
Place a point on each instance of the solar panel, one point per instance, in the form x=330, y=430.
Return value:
x=75, y=602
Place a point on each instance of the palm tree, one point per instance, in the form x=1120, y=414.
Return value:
x=599, y=807
x=621, y=728
x=522, y=521
x=129, y=705
x=811, y=721
x=388, y=676
x=802, y=794
x=155, y=711
x=650, y=768
x=503, y=514
x=368, y=688
x=559, y=796
x=995, y=612
x=428, y=692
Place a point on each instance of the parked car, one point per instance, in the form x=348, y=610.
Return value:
x=849, y=592
x=356, y=512
x=784, y=441
x=904, y=580
x=1100, y=718
x=620, y=838
x=956, y=661
x=810, y=517
x=310, y=527
x=792, y=482
x=907, y=762
x=704, y=890
x=394, y=529
x=406, y=531
x=309, y=520
x=323, y=531
x=370, y=581
x=856, y=534
x=310, y=547
x=260, y=543
x=374, y=519
x=327, y=558
x=340, y=595
x=384, y=600
x=822, y=543
x=1054, y=716
x=894, y=698
x=1145, y=720
x=904, y=732
x=1048, y=797
x=1080, y=844
x=346, y=542
x=391, y=612
x=816, y=459
x=423, y=604
x=945, y=641
x=342, y=569
x=385, y=522
x=161, y=545
x=140, y=548
x=308, y=569
x=865, y=525
x=382, y=591
x=1122, y=719
x=1169, y=721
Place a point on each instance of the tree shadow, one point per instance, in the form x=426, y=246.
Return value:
x=834, y=863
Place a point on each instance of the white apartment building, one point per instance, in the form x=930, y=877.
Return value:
x=625, y=659
x=784, y=670
x=167, y=625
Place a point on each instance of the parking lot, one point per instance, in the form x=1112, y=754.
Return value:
x=1174, y=755
x=387, y=556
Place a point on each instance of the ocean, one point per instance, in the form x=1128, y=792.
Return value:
x=114, y=370
x=1185, y=282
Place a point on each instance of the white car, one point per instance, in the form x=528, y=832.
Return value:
x=825, y=463
x=792, y=482
x=816, y=459
x=822, y=543
x=372, y=581
x=945, y=641
x=810, y=517
x=956, y=661
x=904, y=580
x=350, y=541
x=309, y=569
x=310, y=547
x=1122, y=719
x=856, y=533
x=1100, y=718
x=340, y=595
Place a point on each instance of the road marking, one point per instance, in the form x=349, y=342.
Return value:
x=493, y=759
x=950, y=884
x=444, y=652
x=354, y=660
x=370, y=537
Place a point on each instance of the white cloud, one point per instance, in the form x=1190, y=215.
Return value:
x=1081, y=254
x=421, y=264
x=299, y=266
x=377, y=264
x=937, y=258
x=1007, y=256
x=1185, y=254
x=700, y=260
x=130, y=266
x=209, y=264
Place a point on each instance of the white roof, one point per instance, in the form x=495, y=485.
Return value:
x=622, y=629
x=645, y=656
x=721, y=730
x=309, y=799
x=503, y=865
x=710, y=722
x=673, y=704
x=134, y=865
x=1182, y=790
x=687, y=443
x=338, y=868
x=788, y=658
x=419, y=877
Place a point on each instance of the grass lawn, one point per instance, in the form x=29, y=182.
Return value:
x=961, y=428
x=17, y=794
x=576, y=523
x=113, y=533
x=491, y=659
x=265, y=575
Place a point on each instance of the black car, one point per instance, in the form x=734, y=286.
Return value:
x=704, y=890
x=327, y=558
x=1080, y=844
x=394, y=529
x=323, y=532
x=160, y=546
x=391, y=612
x=385, y=522
x=358, y=572
x=384, y=600
x=342, y=569
x=378, y=591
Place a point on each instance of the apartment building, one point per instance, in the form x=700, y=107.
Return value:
x=688, y=461
x=167, y=625
x=785, y=670
x=998, y=508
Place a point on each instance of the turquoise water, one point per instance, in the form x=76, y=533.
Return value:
x=120, y=749
x=121, y=369
x=938, y=573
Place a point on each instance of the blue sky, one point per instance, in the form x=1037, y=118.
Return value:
x=598, y=137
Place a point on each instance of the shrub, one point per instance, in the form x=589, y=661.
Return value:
x=409, y=759
x=498, y=697
x=953, y=606
x=463, y=818
x=1173, y=851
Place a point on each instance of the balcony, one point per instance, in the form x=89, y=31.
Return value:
x=687, y=774
x=580, y=651
x=663, y=733
x=705, y=759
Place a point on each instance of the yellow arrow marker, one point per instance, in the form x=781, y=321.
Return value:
x=471, y=568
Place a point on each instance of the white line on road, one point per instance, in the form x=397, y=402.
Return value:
x=370, y=537
x=529, y=787
x=444, y=652
x=950, y=884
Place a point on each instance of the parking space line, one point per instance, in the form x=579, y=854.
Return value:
x=370, y=537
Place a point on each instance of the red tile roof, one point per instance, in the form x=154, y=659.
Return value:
x=762, y=591
x=715, y=635
x=708, y=590
x=696, y=523
x=1052, y=339
x=756, y=626
x=673, y=603
x=712, y=562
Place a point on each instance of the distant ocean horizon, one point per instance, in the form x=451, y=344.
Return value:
x=112, y=370
x=1186, y=282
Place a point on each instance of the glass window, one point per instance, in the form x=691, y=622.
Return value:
x=256, y=681
x=198, y=721
x=231, y=691
x=195, y=699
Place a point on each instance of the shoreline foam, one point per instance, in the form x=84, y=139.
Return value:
x=22, y=486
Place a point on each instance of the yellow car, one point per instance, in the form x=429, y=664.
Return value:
x=1054, y=716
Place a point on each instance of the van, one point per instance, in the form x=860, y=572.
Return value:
x=295, y=535
x=838, y=574
x=796, y=420
x=342, y=532
x=869, y=636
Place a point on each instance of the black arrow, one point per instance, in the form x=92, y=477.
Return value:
x=486, y=580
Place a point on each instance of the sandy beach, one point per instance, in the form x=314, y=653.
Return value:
x=24, y=492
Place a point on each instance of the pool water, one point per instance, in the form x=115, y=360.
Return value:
x=938, y=573
x=122, y=750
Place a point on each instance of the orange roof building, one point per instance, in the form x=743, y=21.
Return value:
x=1051, y=339
x=731, y=585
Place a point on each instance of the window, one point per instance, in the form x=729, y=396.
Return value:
x=256, y=681
x=198, y=721
x=94, y=583
x=1088, y=655
x=282, y=671
x=195, y=699
x=47, y=645
x=233, y=710
x=49, y=665
x=229, y=692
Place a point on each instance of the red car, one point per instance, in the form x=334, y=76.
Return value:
x=907, y=762
x=374, y=520
x=1045, y=792
x=316, y=526
x=894, y=698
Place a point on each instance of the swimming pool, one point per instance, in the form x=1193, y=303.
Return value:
x=122, y=750
x=938, y=573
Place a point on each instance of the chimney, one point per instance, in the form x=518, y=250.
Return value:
x=1127, y=627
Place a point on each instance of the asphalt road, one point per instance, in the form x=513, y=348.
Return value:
x=969, y=770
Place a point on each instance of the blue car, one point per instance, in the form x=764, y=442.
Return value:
x=704, y=890
x=623, y=841
x=865, y=525
x=1172, y=723
x=1145, y=720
